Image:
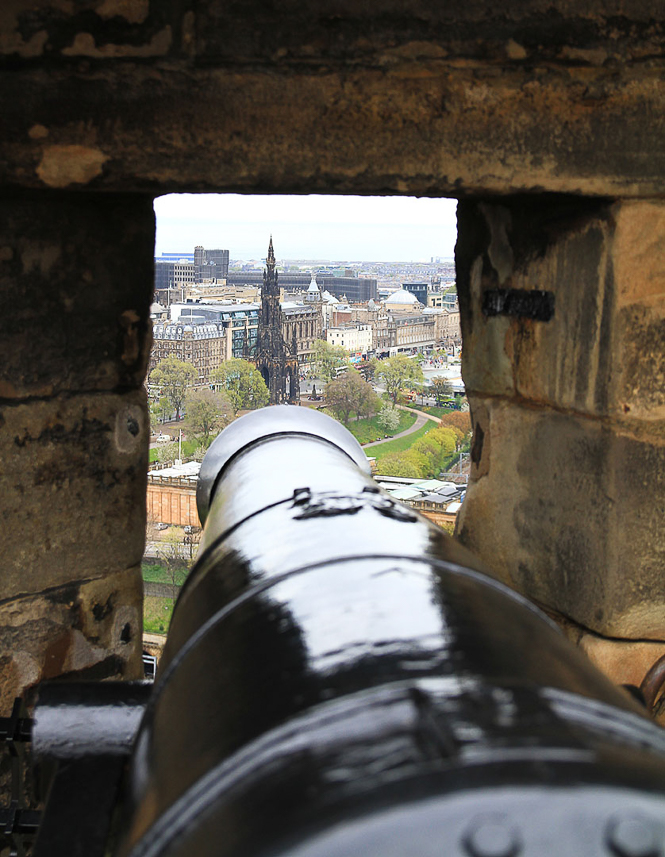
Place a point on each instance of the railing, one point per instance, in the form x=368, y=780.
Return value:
x=176, y=481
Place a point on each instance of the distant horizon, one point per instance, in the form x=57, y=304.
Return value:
x=304, y=262
x=316, y=229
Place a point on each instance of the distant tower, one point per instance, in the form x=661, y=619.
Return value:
x=314, y=298
x=313, y=292
x=275, y=359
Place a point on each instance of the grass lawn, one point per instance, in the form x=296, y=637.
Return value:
x=402, y=443
x=367, y=430
x=155, y=573
x=157, y=614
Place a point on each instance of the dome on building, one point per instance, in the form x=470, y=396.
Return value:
x=313, y=286
x=401, y=298
x=328, y=298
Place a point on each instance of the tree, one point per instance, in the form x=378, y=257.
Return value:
x=409, y=464
x=398, y=373
x=351, y=394
x=167, y=452
x=389, y=418
x=174, y=559
x=458, y=419
x=368, y=368
x=441, y=390
x=436, y=446
x=328, y=358
x=207, y=413
x=159, y=410
x=242, y=384
x=431, y=450
x=174, y=377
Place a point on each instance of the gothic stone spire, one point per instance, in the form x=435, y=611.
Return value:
x=270, y=286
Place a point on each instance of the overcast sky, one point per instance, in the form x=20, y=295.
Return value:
x=340, y=228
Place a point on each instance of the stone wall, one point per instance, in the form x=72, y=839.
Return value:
x=375, y=97
x=74, y=339
x=567, y=494
x=107, y=103
x=171, y=502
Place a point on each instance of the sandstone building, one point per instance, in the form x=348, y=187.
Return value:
x=206, y=335
x=356, y=338
x=202, y=345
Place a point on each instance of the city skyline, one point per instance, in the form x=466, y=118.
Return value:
x=382, y=229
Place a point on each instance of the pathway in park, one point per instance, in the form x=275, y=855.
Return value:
x=421, y=419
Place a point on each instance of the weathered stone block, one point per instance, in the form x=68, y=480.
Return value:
x=76, y=287
x=601, y=266
x=622, y=662
x=93, y=29
x=638, y=261
x=568, y=510
x=86, y=630
x=72, y=489
x=374, y=97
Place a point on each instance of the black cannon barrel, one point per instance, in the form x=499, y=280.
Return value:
x=342, y=678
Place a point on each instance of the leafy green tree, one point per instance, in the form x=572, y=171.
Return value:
x=436, y=446
x=328, y=358
x=409, y=464
x=351, y=394
x=388, y=418
x=399, y=373
x=174, y=377
x=431, y=450
x=207, y=413
x=242, y=384
x=441, y=390
x=159, y=410
x=446, y=437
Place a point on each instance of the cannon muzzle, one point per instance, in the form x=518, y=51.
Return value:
x=342, y=678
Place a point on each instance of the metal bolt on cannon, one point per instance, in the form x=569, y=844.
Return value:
x=342, y=678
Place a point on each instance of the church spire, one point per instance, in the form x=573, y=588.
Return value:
x=271, y=255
